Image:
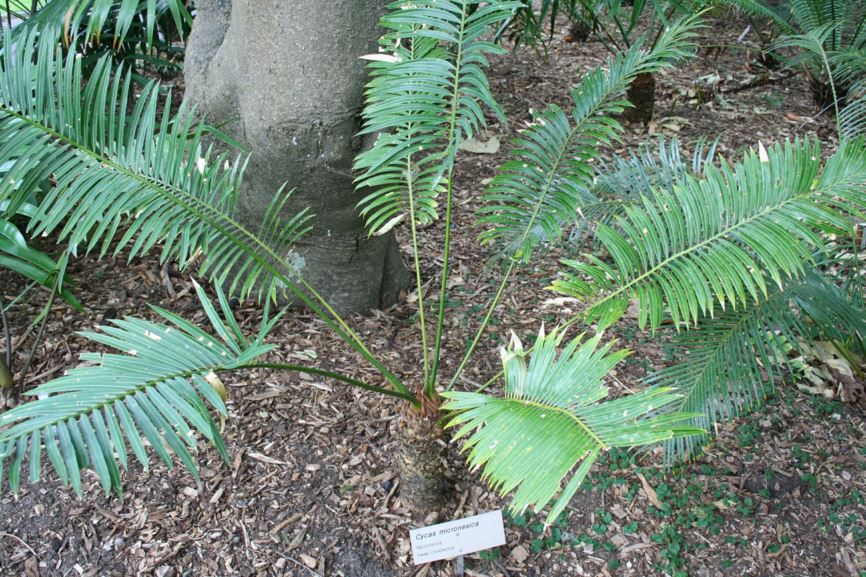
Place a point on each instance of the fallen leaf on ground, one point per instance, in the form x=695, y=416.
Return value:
x=649, y=492
x=476, y=146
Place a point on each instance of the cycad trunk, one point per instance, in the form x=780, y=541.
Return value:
x=284, y=77
x=422, y=459
x=642, y=95
x=579, y=31
x=822, y=93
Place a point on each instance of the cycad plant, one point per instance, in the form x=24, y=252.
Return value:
x=830, y=38
x=427, y=102
x=144, y=34
x=616, y=24
x=535, y=23
x=128, y=175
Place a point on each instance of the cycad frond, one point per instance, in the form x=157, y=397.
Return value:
x=19, y=256
x=836, y=313
x=849, y=65
x=727, y=365
x=155, y=389
x=852, y=118
x=778, y=15
x=92, y=16
x=662, y=166
x=425, y=96
x=799, y=16
x=544, y=186
x=125, y=171
x=550, y=425
x=813, y=14
x=627, y=179
x=723, y=238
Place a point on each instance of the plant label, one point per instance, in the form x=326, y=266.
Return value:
x=455, y=538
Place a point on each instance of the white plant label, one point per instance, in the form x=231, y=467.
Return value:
x=455, y=538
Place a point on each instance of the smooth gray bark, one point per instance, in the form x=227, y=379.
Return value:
x=284, y=77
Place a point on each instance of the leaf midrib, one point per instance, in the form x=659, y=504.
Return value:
x=164, y=190
x=555, y=169
x=716, y=237
x=560, y=410
x=113, y=400
x=721, y=344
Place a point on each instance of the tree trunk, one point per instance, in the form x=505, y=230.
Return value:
x=642, y=95
x=422, y=459
x=284, y=77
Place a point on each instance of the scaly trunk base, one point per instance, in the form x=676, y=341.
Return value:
x=422, y=453
x=822, y=94
x=578, y=32
x=642, y=94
